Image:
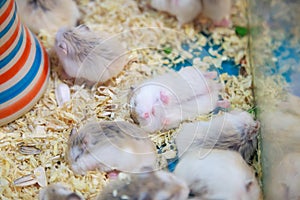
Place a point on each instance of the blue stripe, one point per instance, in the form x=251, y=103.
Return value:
x=26, y=80
x=13, y=53
x=2, y=2
x=9, y=25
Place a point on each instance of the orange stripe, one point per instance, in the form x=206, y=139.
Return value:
x=6, y=46
x=31, y=94
x=7, y=12
x=20, y=63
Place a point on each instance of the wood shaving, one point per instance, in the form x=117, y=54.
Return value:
x=47, y=125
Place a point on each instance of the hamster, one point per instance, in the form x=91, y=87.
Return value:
x=236, y=130
x=184, y=10
x=162, y=102
x=110, y=145
x=285, y=179
x=58, y=191
x=218, y=11
x=86, y=55
x=158, y=185
x=49, y=15
x=217, y=174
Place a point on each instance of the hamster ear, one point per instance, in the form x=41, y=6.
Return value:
x=73, y=132
x=83, y=27
x=73, y=196
x=63, y=47
x=164, y=97
x=249, y=183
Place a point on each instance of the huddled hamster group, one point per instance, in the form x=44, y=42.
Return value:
x=213, y=154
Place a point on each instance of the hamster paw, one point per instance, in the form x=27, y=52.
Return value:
x=223, y=23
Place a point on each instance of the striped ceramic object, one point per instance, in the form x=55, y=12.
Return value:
x=24, y=65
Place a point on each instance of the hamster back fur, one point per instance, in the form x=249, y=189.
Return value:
x=58, y=191
x=84, y=54
x=217, y=174
x=156, y=185
x=49, y=15
x=110, y=145
x=236, y=130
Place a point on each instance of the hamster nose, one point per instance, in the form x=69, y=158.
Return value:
x=146, y=115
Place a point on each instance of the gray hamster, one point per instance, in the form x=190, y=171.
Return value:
x=217, y=174
x=49, y=15
x=110, y=145
x=164, y=101
x=58, y=191
x=236, y=130
x=157, y=185
x=86, y=55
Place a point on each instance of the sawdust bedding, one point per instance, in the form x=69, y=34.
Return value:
x=151, y=51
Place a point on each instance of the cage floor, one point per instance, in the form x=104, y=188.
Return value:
x=155, y=45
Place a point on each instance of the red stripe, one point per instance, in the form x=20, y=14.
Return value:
x=20, y=63
x=13, y=37
x=6, y=13
x=25, y=100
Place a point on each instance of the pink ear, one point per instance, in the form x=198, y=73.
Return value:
x=164, y=97
x=63, y=47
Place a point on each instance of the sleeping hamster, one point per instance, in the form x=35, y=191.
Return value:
x=164, y=101
x=86, y=55
x=110, y=145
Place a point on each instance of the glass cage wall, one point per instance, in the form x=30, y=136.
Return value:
x=275, y=53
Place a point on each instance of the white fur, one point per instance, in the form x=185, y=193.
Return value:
x=65, y=13
x=284, y=180
x=216, y=9
x=190, y=94
x=217, y=174
x=184, y=10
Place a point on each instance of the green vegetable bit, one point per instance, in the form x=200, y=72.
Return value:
x=168, y=50
x=241, y=31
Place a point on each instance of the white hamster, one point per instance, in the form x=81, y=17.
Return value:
x=285, y=178
x=164, y=101
x=86, y=55
x=184, y=10
x=236, y=130
x=157, y=185
x=218, y=11
x=110, y=145
x=58, y=191
x=217, y=174
x=49, y=15
x=187, y=10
